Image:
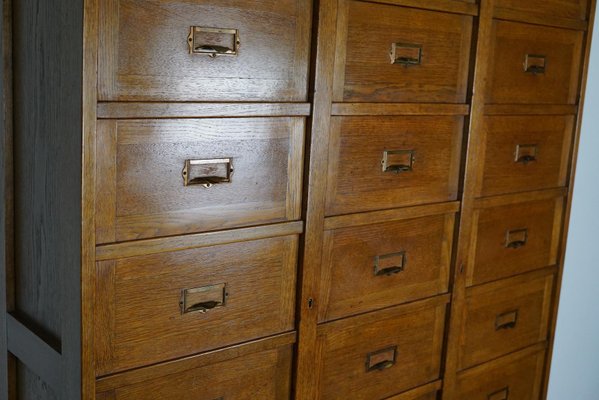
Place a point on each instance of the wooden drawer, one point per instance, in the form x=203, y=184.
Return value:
x=259, y=370
x=162, y=306
x=571, y=9
x=532, y=64
x=380, y=354
x=514, y=377
x=505, y=316
x=368, y=267
x=525, y=153
x=145, y=52
x=142, y=191
x=514, y=238
x=385, y=162
x=387, y=53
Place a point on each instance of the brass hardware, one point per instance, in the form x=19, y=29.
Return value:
x=502, y=394
x=389, y=264
x=381, y=360
x=398, y=161
x=535, y=64
x=506, y=320
x=207, y=172
x=203, y=299
x=406, y=54
x=526, y=153
x=516, y=238
x=213, y=42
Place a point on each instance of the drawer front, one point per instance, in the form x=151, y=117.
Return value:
x=504, y=317
x=512, y=378
x=525, y=153
x=371, y=267
x=162, y=306
x=532, y=64
x=386, y=162
x=264, y=375
x=387, y=53
x=515, y=238
x=168, y=177
x=572, y=9
x=201, y=50
x=378, y=355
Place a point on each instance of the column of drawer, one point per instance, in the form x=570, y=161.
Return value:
x=394, y=155
x=199, y=166
x=525, y=152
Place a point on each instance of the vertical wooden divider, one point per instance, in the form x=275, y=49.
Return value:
x=306, y=384
x=473, y=161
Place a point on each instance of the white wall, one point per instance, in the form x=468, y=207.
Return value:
x=575, y=369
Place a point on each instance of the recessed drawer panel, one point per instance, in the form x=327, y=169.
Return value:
x=387, y=53
x=168, y=177
x=532, y=64
x=168, y=305
x=515, y=238
x=514, y=377
x=375, y=266
x=386, y=162
x=378, y=355
x=201, y=50
x=505, y=316
x=571, y=9
x=260, y=370
x=525, y=153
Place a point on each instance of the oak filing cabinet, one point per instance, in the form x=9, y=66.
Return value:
x=240, y=199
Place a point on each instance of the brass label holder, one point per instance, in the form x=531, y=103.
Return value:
x=506, y=320
x=406, y=54
x=207, y=172
x=398, y=160
x=514, y=239
x=501, y=394
x=526, y=153
x=535, y=64
x=381, y=360
x=203, y=299
x=390, y=264
x=213, y=42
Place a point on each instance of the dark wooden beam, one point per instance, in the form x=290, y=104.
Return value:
x=32, y=351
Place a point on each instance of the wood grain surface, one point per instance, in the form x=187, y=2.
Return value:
x=144, y=54
x=363, y=68
x=139, y=318
x=356, y=180
x=141, y=191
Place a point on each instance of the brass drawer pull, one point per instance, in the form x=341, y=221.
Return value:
x=516, y=239
x=535, y=64
x=381, y=360
x=390, y=264
x=203, y=299
x=207, y=172
x=398, y=161
x=526, y=153
x=406, y=54
x=506, y=320
x=213, y=42
x=502, y=394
